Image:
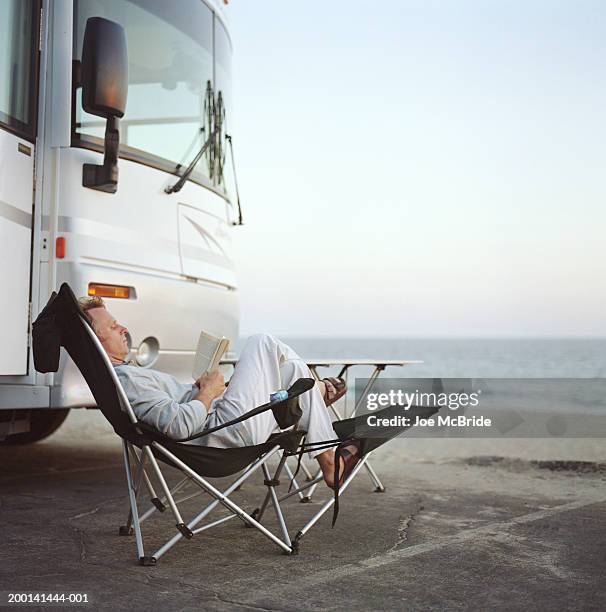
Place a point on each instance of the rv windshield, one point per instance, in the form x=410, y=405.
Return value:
x=170, y=51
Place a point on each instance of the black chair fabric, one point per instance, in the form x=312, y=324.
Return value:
x=358, y=428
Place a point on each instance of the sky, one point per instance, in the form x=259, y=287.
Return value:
x=421, y=168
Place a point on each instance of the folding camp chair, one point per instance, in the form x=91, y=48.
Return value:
x=62, y=323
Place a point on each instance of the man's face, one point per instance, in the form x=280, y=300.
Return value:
x=111, y=334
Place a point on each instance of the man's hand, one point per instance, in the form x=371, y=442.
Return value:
x=211, y=385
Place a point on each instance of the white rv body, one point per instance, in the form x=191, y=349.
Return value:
x=172, y=250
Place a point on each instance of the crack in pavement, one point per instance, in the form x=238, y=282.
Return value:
x=80, y=535
x=404, y=526
x=223, y=599
x=29, y=576
x=97, y=508
x=34, y=496
x=247, y=606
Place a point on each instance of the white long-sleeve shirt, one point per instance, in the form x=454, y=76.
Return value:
x=161, y=401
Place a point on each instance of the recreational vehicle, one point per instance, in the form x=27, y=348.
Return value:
x=115, y=176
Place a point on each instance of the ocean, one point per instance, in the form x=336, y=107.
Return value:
x=472, y=358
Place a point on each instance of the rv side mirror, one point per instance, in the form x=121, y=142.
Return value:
x=104, y=80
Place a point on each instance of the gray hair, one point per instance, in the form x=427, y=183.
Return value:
x=88, y=303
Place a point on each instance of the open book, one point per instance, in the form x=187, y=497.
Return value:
x=208, y=354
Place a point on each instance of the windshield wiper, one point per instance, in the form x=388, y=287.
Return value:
x=233, y=167
x=179, y=184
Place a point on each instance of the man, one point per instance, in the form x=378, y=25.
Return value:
x=180, y=410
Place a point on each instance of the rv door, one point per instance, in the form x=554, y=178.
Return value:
x=19, y=22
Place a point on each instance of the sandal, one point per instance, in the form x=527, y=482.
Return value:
x=350, y=453
x=335, y=389
x=351, y=456
x=350, y=460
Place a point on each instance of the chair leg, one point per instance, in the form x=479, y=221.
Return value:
x=127, y=529
x=293, y=480
x=155, y=500
x=133, y=502
x=307, y=498
x=302, y=488
x=272, y=484
x=379, y=488
x=259, y=512
x=154, y=507
x=308, y=475
x=180, y=524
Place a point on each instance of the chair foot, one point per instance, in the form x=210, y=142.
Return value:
x=147, y=561
x=379, y=490
x=305, y=500
x=125, y=531
x=159, y=505
x=295, y=544
x=253, y=515
x=294, y=549
x=185, y=531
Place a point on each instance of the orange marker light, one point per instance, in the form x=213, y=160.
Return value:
x=60, y=247
x=109, y=291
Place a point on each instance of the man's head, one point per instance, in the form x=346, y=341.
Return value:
x=111, y=334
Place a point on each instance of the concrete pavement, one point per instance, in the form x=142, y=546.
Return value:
x=454, y=531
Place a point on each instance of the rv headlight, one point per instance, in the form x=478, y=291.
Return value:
x=147, y=353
